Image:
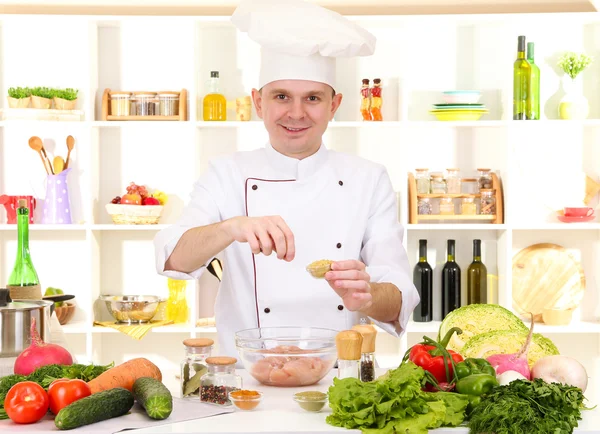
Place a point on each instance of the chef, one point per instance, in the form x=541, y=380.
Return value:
x=292, y=201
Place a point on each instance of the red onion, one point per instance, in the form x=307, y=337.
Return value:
x=39, y=354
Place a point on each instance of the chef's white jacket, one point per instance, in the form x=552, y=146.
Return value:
x=338, y=206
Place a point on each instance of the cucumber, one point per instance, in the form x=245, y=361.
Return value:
x=154, y=397
x=95, y=408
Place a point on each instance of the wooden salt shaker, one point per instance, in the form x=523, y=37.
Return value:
x=367, y=360
x=348, y=344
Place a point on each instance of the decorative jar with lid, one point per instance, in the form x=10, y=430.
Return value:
x=219, y=380
x=423, y=181
x=488, y=202
x=194, y=365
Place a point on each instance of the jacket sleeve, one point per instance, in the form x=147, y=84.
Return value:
x=385, y=256
x=202, y=210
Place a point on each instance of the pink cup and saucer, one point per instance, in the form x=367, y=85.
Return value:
x=573, y=214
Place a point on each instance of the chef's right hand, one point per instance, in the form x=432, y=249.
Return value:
x=264, y=234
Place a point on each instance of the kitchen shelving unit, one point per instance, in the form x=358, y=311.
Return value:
x=417, y=57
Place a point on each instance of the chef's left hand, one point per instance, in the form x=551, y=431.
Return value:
x=351, y=282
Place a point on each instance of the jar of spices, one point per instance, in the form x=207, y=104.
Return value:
x=220, y=379
x=367, y=360
x=119, y=103
x=469, y=186
x=485, y=179
x=468, y=206
x=446, y=206
x=348, y=344
x=169, y=103
x=144, y=103
x=453, y=181
x=194, y=366
x=438, y=185
x=424, y=206
x=488, y=202
x=423, y=181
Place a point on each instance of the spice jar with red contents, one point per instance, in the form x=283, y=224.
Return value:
x=220, y=379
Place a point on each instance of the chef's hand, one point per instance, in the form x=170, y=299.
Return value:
x=351, y=282
x=264, y=235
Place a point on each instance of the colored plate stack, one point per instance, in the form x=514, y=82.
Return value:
x=459, y=105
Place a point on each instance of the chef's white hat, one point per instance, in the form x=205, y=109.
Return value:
x=300, y=40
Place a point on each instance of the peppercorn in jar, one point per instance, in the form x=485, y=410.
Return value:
x=220, y=379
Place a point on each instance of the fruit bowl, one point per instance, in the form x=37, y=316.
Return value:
x=134, y=214
x=65, y=312
x=287, y=356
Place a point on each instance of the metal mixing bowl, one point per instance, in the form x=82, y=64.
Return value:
x=132, y=309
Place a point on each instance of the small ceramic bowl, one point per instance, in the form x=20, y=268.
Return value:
x=311, y=401
x=246, y=403
x=557, y=317
x=461, y=96
x=318, y=269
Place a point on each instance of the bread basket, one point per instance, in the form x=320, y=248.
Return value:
x=134, y=214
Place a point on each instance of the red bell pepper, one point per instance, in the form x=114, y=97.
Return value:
x=433, y=357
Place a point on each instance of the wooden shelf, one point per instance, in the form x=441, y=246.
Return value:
x=457, y=217
x=453, y=196
x=108, y=116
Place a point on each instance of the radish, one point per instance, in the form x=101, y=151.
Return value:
x=514, y=362
x=561, y=369
x=39, y=354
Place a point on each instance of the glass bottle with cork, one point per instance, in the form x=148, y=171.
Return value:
x=177, y=307
x=488, y=202
x=485, y=179
x=521, y=74
x=453, y=181
x=423, y=181
x=349, y=345
x=219, y=380
x=194, y=366
x=367, y=359
x=23, y=282
x=214, y=104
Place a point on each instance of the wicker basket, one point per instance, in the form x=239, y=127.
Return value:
x=134, y=214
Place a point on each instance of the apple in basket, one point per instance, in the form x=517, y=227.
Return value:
x=137, y=206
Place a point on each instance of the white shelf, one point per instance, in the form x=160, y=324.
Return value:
x=454, y=227
x=558, y=227
x=115, y=227
x=76, y=327
x=41, y=227
x=75, y=227
x=423, y=327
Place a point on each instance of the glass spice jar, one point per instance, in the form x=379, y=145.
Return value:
x=424, y=206
x=220, y=379
x=423, y=181
x=194, y=366
x=468, y=206
x=169, y=103
x=453, y=181
x=488, y=202
x=446, y=206
x=438, y=185
x=119, y=104
x=367, y=359
x=144, y=105
x=469, y=186
x=485, y=179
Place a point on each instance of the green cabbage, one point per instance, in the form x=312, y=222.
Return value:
x=509, y=342
x=475, y=319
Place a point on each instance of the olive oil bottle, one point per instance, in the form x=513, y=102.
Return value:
x=476, y=277
x=214, y=105
x=521, y=77
x=533, y=96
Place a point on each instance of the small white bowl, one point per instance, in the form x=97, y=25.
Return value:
x=461, y=96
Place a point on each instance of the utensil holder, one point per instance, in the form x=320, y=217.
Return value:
x=57, y=207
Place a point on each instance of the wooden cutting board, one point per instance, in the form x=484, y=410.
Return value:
x=546, y=276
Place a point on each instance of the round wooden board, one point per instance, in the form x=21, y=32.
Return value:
x=546, y=276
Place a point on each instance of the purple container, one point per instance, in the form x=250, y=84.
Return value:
x=57, y=207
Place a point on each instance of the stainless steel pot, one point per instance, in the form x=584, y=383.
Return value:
x=15, y=322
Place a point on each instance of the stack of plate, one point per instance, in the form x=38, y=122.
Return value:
x=459, y=105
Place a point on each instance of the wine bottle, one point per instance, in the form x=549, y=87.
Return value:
x=533, y=96
x=521, y=75
x=23, y=282
x=477, y=277
x=423, y=280
x=450, y=282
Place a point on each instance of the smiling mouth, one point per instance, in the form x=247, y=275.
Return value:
x=294, y=130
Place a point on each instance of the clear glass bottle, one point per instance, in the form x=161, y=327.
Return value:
x=446, y=206
x=348, y=344
x=194, y=365
x=214, y=104
x=485, y=179
x=438, y=185
x=468, y=206
x=424, y=206
x=488, y=202
x=423, y=181
x=453, y=181
x=220, y=379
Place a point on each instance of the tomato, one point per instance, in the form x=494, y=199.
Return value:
x=63, y=392
x=26, y=402
x=131, y=199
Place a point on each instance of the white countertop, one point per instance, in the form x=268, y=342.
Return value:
x=278, y=412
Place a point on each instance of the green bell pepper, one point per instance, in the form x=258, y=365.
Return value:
x=472, y=366
x=475, y=386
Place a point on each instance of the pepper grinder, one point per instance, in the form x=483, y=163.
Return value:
x=348, y=344
x=367, y=360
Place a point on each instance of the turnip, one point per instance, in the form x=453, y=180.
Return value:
x=514, y=362
x=40, y=354
x=508, y=377
x=561, y=369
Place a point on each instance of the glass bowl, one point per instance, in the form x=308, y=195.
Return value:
x=131, y=309
x=245, y=403
x=287, y=356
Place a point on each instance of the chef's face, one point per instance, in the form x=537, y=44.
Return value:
x=296, y=114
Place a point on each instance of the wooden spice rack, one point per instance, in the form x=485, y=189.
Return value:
x=415, y=217
x=107, y=116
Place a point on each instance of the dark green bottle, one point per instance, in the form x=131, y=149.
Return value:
x=477, y=277
x=450, y=282
x=423, y=281
x=533, y=97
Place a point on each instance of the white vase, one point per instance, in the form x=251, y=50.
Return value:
x=574, y=105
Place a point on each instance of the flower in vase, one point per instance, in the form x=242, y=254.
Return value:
x=572, y=63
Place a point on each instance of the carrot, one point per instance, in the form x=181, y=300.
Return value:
x=124, y=375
